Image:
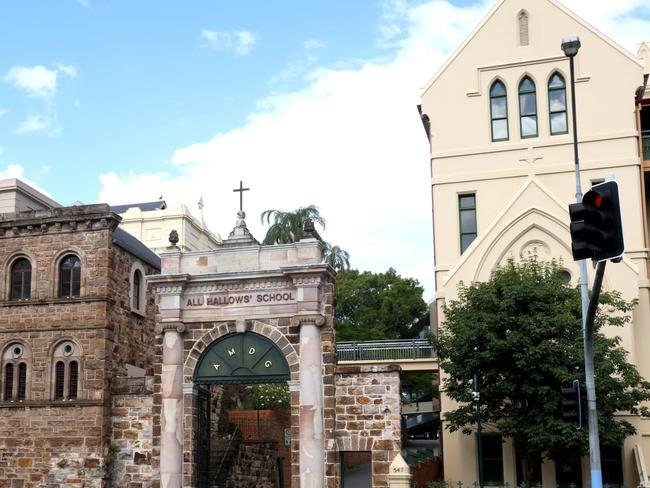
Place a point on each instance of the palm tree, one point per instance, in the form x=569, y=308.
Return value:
x=287, y=226
x=337, y=258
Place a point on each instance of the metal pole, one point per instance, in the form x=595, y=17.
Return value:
x=587, y=332
x=477, y=396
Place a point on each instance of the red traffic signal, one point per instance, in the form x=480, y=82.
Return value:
x=596, y=224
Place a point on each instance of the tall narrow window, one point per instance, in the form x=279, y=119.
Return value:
x=22, y=381
x=70, y=276
x=21, y=279
x=137, y=283
x=557, y=105
x=527, y=108
x=492, y=450
x=467, y=216
x=499, y=111
x=73, y=380
x=523, y=28
x=9, y=382
x=59, y=380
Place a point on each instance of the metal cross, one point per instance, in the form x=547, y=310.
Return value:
x=241, y=191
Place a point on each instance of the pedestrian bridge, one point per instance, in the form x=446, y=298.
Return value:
x=409, y=354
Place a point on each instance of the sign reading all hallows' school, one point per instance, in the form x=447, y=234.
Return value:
x=225, y=299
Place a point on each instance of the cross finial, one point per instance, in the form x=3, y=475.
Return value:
x=241, y=191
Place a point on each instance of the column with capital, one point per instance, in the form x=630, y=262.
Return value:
x=312, y=439
x=171, y=418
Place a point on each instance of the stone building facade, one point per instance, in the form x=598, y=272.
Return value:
x=76, y=320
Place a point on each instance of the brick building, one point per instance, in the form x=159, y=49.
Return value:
x=76, y=344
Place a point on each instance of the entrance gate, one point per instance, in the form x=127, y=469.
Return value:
x=245, y=313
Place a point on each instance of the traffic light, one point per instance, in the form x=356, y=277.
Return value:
x=596, y=225
x=572, y=404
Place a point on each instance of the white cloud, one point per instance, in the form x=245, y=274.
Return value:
x=13, y=170
x=350, y=142
x=240, y=42
x=68, y=70
x=33, y=123
x=37, y=80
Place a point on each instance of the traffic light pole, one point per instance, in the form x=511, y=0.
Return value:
x=587, y=330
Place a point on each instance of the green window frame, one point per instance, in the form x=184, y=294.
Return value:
x=527, y=108
x=557, y=105
x=467, y=220
x=499, y=111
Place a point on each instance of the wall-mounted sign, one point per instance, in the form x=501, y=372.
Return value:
x=239, y=299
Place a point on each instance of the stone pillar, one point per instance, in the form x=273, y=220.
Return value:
x=312, y=442
x=399, y=475
x=171, y=418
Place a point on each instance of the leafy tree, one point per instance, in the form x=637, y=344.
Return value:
x=287, y=226
x=337, y=258
x=373, y=306
x=521, y=334
x=270, y=396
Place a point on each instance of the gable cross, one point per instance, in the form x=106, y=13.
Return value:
x=241, y=191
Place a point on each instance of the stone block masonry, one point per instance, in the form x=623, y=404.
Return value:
x=368, y=415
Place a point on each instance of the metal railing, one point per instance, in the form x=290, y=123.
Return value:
x=645, y=143
x=384, y=350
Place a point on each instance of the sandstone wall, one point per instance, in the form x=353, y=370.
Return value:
x=368, y=415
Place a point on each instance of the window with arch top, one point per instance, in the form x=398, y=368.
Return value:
x=527, y=108
x=21, y=279
x=66, y=359
x=557, y=107
x=138, y=291
x=70, y=276
x=15, y=358
x=499, y=111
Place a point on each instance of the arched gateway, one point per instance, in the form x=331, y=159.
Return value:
x=245, y=313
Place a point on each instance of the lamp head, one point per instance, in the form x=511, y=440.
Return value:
x=570, y=45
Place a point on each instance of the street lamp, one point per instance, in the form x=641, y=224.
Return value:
x=570, y=46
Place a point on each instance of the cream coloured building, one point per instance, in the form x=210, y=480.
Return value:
x=502, y=178
x=151, y=223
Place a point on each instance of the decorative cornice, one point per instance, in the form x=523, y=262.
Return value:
x=239, y=286
x=168, y=289
x=179, y=327
x=307, y=280
x=316, y=319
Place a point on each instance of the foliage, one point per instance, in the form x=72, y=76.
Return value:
x=373, y=306
x=419, y=384
x=287, y=226
x=270, y=396
x=521, y=333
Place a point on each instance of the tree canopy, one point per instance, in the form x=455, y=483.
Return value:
x=373, y=306
x=521, y=334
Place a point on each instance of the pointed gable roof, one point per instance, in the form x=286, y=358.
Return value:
x=499, y=4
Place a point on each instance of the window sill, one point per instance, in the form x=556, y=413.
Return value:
x=51, y=403
x=139, y=313
x=53, y=301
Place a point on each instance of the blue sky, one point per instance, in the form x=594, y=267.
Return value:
x=307, y=102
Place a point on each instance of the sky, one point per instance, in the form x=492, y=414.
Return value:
x=306, y=102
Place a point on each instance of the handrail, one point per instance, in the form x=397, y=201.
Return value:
x=384, y=350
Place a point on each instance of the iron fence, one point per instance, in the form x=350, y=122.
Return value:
x=384, y=350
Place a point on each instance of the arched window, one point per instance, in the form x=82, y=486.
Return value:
x=9, y=382
x=66, y=360
x=21, y=279
x=15, y=358
x=557, y=108
x=523, y=28
x=137, y=284
x=70, y=276
x=499, y=111
x=527, y=108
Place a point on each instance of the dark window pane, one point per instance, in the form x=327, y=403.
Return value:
x=498, y=89
x=9, y=382
x=568, y=471
x=136, y=289
x=468, y=222
x=21, y=279
x=59, y=380
x=70, y=276
x=526, y=85
x=611, y=462
x=492, y=450
x=467, y=201
x=22, y=381
x=465, y=241
x=74, y=379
